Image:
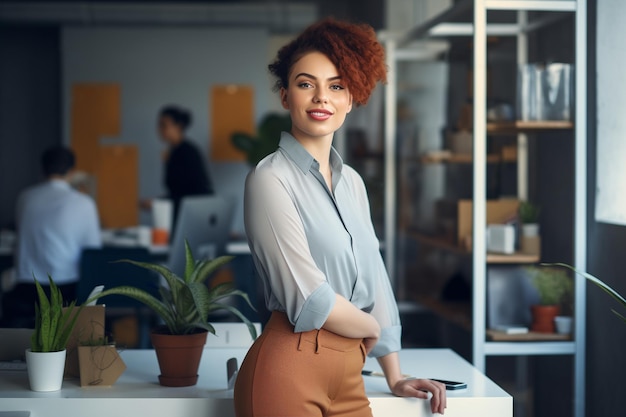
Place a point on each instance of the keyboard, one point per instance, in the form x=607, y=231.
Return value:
x=12, y=366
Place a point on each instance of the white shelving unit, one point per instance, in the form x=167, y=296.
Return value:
x=447, y=25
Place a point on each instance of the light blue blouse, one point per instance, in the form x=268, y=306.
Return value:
x=309, y=243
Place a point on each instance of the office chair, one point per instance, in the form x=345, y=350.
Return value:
x=98, y=267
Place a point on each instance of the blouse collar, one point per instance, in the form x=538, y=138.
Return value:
x=303, y=159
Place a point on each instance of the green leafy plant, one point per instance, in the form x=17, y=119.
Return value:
x=528, y=212
x=53, y=325
x=553, y=285
x=100, y=341
x=186, y=302
x=599, y=283
x=267, y=139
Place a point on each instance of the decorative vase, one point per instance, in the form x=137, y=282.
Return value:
x=45, y=370
x=543, y=318
x=99, y=365
x=179, y=357
x=530, y=229
x=563, y=324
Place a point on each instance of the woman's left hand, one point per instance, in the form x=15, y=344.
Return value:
x=420, y=388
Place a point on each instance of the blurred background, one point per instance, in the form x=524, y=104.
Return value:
x=95, y=75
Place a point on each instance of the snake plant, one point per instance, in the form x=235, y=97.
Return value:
x=600, y=284
x=53, y=324
x=186, y=302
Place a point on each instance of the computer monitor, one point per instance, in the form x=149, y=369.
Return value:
x=205, y=222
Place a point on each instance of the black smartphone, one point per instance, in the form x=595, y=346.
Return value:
x=451, y=385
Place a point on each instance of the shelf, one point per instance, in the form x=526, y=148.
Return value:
x=443, y=243
x=452, y=158
x=529, y=348
x=516, y=258
x=497, y=336
x=521, y=126
x=456, y=21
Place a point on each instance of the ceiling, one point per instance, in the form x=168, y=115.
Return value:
x=367, y=11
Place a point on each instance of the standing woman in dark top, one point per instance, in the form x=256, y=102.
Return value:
x=185, y=172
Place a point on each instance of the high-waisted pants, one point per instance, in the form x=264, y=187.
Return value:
x=309, y=374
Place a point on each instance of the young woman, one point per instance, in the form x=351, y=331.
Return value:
x=185, y=172
x=309, y=228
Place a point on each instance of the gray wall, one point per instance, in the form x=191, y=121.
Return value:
x=29, y=108
x=606, y=334
x=157, y=66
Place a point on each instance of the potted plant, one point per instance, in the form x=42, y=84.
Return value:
x=45, y=359
x=184, y=307
x=553, y=285
x=529, y=217
x=599, y=283
x=267, y=140
x=99, y=362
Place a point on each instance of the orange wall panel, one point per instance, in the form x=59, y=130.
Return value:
x=95, y=113
x=118, y=186
x=232, y=110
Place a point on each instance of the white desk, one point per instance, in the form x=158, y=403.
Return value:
x=137, y=392
x=111, y=238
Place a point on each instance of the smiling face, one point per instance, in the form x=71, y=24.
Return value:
x=316, y=98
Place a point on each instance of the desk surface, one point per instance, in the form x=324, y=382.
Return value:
x=137, y=392
x=110, y=237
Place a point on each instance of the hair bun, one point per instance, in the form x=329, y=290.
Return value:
x=353, y=48
x=182, y=117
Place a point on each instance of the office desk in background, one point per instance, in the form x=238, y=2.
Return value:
x=137, y=392
x=122, y=238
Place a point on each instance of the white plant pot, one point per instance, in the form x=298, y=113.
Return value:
x=530, y=229
x=45, y=370
x=563, y=324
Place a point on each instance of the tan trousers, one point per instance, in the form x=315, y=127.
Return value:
x=309, y=374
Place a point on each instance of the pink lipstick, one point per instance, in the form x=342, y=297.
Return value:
x=319, y=114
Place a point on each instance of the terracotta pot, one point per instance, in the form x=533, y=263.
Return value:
x=543, y=318
x=178, y=356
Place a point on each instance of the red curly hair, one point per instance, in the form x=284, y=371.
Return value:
x=352, y=48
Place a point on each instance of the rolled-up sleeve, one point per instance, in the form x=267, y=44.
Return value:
x=385, y=309
x=386, y=314
x=281, y=252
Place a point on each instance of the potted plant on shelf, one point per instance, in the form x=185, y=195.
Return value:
x=553, y=286
x=45, y=359
x=184, y=307
x=529, y=217
x=599, y=283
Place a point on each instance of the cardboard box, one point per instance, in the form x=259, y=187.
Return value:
x=498, y=212
x=89, y=326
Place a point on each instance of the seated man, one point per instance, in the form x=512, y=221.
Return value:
x=54, y=224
